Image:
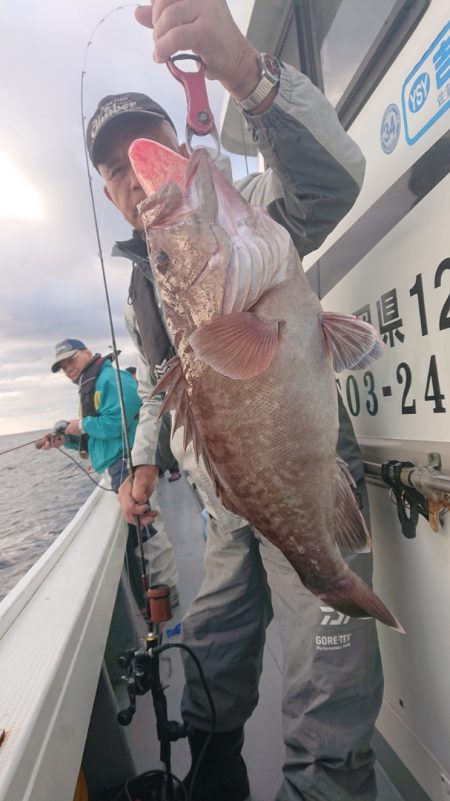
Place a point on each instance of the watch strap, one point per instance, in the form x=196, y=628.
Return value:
x=270, y=77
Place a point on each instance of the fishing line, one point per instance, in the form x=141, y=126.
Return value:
x=97, y=483
x=33, y=441
x=105, y=283
x=99, y=243
x=16, y=448
x=64, y=453
x=244, y=145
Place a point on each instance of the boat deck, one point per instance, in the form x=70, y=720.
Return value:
x=264, y=748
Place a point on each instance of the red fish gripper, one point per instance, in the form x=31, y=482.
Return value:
x=200, y=119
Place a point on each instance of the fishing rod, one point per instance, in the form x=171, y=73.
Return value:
x=144, y=575
x=58, y=431
x=142, y=665
x=39, y=443
x=16, y=448
x=200, y=122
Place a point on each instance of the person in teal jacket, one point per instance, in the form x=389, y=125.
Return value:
x=98, y=434
x=98, y=431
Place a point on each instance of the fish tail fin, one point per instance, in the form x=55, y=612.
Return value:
x=352, y=596
x=351, y=342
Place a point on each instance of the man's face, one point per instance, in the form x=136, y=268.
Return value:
x=73, y=366
x=121, y=185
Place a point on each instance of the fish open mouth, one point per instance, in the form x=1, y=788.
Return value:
x=156, y=165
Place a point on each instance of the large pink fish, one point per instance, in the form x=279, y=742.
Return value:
x=253, y=382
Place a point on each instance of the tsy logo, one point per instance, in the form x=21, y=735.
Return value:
x=419, y=92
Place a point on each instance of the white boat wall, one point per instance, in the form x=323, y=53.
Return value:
x=62, y=629
x=386, y=68
x=53, y=630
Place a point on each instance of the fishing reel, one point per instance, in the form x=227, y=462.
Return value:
x=58, y=431
x=143, y=676
x=60, y=427
x=142, y=672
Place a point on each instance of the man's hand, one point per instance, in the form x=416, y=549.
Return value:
x=50, y=440
x=207, y=28
x=134, y=495
x=73, y=428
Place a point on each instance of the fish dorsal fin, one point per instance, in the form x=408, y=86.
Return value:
x=352, y=343
x=238, y=345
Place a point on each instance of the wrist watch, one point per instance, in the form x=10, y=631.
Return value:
x=270, y=70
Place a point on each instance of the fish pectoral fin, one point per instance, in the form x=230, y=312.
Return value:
x=239, y=345
x=352, y=343
x=349, y=525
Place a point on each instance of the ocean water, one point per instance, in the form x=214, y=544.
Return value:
x=40, y=492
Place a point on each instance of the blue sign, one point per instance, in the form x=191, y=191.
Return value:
x=426, y=91
x=390, y=128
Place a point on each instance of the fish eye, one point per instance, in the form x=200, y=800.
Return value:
x=162, y=261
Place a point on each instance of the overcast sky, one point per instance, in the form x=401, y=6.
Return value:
x=50, y=280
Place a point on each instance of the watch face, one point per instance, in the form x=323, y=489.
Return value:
x=271, y=65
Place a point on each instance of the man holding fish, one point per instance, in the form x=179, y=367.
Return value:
x=227, y=347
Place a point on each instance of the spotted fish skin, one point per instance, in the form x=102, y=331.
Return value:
x=253, y=382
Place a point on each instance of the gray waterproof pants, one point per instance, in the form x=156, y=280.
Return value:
x=332, y=675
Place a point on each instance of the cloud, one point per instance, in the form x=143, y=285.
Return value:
x=50, y=281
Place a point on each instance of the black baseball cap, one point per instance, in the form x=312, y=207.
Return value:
x=115, y=108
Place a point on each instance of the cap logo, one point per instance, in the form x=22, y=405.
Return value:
x=62, y=347
x=111, y=109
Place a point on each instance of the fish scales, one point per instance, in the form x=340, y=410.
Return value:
x=253, y=382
